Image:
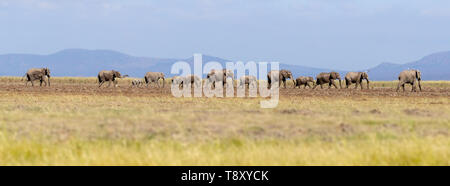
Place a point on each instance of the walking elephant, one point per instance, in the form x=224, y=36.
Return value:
x=37, y=74
x=248, y=80
x=409, y=76
x=303, y=80
x=356, y=77
x=154, y=77
x=327, y=78
x=282, y=75
x=220, y=76
x=108, y=75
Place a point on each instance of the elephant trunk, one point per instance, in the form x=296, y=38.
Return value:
x=48, y=80
x=420, y=86
x=367, y=79
x=340, y=85
x=164, y=81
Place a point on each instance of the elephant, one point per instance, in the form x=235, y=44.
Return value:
x=356, y=77
x=327, y=77
x=154, y=77
x=108, y=75
x=303, y=80
x=409, y=76
x=37, y=74
x=248, y=80
x=220, y=76
x=282, y=75
x=137, y=83
x=189, y=79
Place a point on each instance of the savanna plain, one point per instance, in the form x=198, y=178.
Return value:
x=75, y=123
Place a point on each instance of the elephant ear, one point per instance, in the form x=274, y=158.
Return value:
x=283, y=73
x=332, y=75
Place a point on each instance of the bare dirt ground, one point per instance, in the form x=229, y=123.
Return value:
x=92, y=89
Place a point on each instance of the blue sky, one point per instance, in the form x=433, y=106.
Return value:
x=349, y=35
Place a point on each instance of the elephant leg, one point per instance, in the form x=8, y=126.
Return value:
x=413, y=86
x=356, y=85
x=403, y=87
x=399, y=85
x=317, y=83
x=100, y=84
x=284, y=82
x=32, y=83
x=420, y=86
x=334, y=84
x=109, y=84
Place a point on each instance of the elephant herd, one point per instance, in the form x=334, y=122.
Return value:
x=321, y=79
x=221, y=76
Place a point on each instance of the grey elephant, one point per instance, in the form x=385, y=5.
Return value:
x=37, y=74
x=154, y=77
x=303, y=80
x=108, y=75
x=282, y=75
x=137, y=83
x=248, y=80
x=356, y=77
x=220, y=76
x=409, y=76
x=328, y=78
x=189, y=79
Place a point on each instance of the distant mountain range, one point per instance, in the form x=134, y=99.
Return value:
x=81, y=62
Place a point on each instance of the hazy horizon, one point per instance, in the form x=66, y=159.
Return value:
x=347, y=35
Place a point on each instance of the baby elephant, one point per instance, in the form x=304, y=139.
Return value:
x=303, y=80
x=137, y=83
x=248, y=80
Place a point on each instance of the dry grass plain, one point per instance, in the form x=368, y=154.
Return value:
x=75, y=123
